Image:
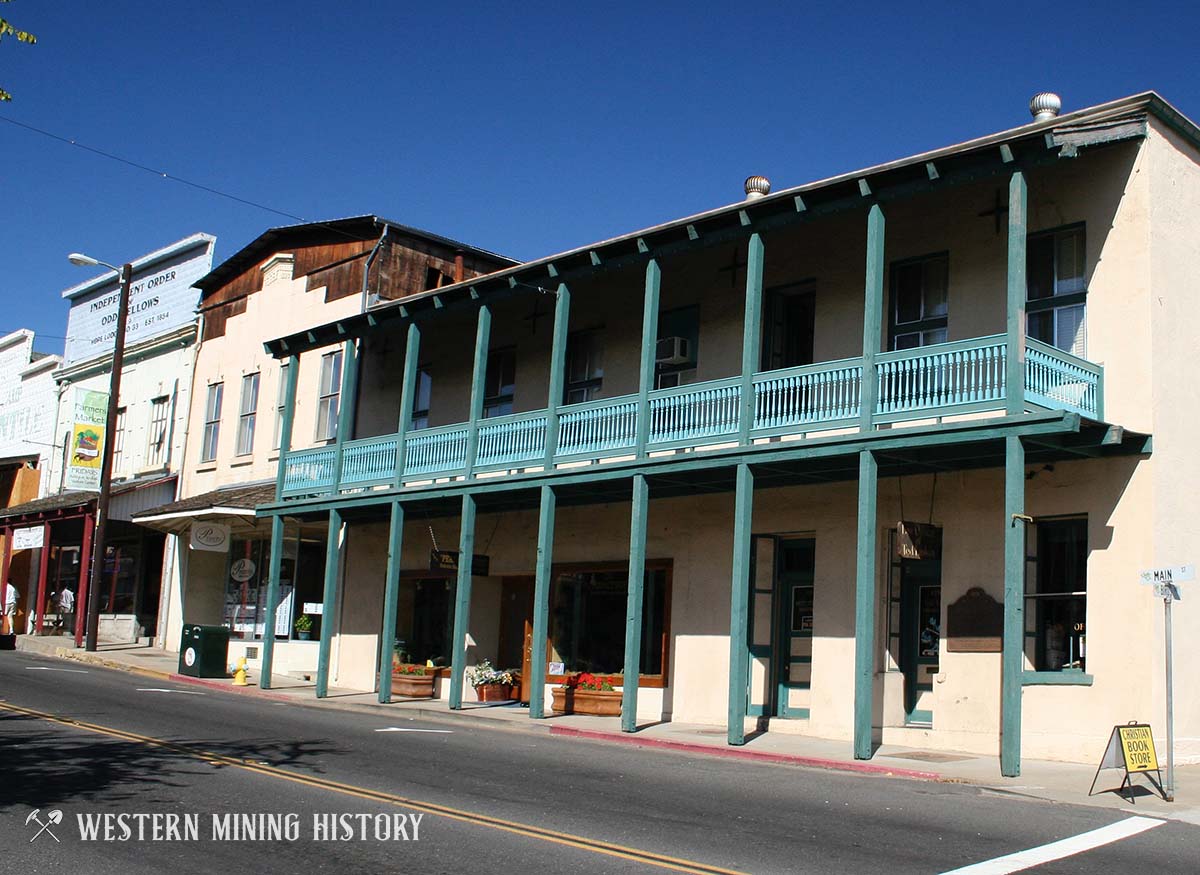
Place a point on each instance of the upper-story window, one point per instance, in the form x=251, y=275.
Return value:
x=212, y=422
x=156, y=443
x=280, y=403
x=920, y=301
x=678, y=349
x=424, y=392
x=118, y=458
x=247, y=415
x=500, y=382
x=1057, y=288
x=327, y=401
x=585, y=366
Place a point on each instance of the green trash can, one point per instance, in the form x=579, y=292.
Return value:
x=204, y=651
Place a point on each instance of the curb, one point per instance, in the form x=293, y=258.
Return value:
x=735, y=753
x=228, y=687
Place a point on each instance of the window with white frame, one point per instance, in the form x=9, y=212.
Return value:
x=424, y=392
x=247, y=414
x=327, y=400
x=920, y=301
x=1057, y=288
x=1056, y=594
x=585, y=366
x=156, y=440
x=118, y=459
x=280, y=403
x=212, y=422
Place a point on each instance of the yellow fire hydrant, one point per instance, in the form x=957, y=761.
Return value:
x=239, y=673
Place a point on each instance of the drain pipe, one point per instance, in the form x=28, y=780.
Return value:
x=370, y=261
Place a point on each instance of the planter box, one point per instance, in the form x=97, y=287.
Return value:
x=494, y=692
x=599, y=703
x=413, y=686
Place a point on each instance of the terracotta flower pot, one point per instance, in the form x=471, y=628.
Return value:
x=598, y=703
x=413, y=686
x=494, y=692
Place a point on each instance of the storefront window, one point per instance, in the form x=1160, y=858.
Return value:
x=587, y=621
x=1056, y=601
x=245, y=608
x=425, y=621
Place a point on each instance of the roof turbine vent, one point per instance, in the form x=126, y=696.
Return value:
x=1045, y=105
x=756, y=187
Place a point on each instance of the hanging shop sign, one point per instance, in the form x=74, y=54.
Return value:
x=1130, y=747
x=243, y=570
x=28, y=539
x=918, y=541
x=86, y=448
x=210, y=536
x=447, y=560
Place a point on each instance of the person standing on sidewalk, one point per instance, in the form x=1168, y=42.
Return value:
x=9, y=611
x=66, y=610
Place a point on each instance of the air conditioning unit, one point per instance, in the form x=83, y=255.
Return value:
x=673, y=351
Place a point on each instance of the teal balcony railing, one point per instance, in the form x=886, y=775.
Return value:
x=933, y=381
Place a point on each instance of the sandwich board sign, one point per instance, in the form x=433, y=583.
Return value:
x=1130, y=747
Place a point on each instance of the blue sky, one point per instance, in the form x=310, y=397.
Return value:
x=524, y=128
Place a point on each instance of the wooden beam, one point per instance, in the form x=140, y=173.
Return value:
x=391, y=600
x=801, y=206
x=543, y=574
x=551, y=270
x=346, y=403
x=641, y=246
x=649, y=341
x=462, y=601
x=408, y=398
x=744, y=218
x=478, y=377
x=275, y=564
x=751, y=335
x=285, y=427
x=692, y=233
x=872, y=315
x=739, y=607
x=1006, y=154
x=931, y=169
x=1013, y=643
x=558, y=367
x=864, y=606
x=633, y=603
x=333, y=553
x=473, y=293
x=864, y=188
x=595, y=257
x=1015, y=325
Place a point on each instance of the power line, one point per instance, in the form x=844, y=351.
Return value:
x=159, y=173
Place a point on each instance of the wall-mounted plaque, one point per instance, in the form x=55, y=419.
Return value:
x=975, y=623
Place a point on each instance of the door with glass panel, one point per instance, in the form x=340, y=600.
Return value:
x=781, y=626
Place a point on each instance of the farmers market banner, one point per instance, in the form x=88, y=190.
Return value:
x=87, y=440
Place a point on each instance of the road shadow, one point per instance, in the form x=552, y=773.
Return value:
x=43, y=763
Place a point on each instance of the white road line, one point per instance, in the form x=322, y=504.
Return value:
x=164, y=690
x=399, y=729
x=48, y=668
x=1096, y=838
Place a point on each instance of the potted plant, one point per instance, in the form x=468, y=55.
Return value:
x=491, y=684
x=303, y=627
x=586, y=693
x=411, y=681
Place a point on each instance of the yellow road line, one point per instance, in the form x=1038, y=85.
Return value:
x=522, y=829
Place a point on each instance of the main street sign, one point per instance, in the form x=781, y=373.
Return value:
x=1168, y=574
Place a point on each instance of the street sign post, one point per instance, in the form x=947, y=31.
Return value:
x=1165, y=581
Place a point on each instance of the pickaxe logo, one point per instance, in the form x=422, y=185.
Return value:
x=53, y=818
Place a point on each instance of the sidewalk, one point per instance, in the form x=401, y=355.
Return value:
x=1050, y=781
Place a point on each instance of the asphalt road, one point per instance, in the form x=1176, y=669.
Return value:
x=474, y=799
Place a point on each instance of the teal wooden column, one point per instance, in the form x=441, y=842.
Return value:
x=872, y=316
x=462, y=601
x=285, y=427
x=739, y=606
x=633, y=607
x=391, y=601
x=541, y=603
x=558, y=367
x=277, y=530
x=483, y=333
x=1012, y=658
x=408, y=395
x=649, y=342
x=864, y=605
x=273, y=569
x=333, y=551
x=1014, y=371
x=751, y=335
x=346, y=405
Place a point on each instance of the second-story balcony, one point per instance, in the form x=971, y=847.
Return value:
x=943, y=380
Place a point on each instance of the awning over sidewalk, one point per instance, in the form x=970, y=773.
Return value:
x=231, y=504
